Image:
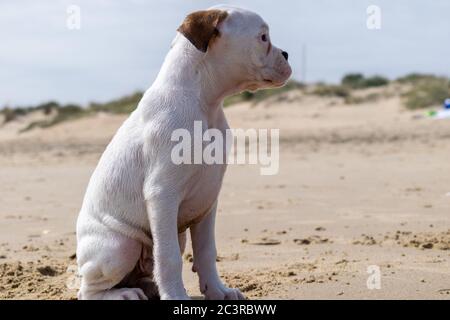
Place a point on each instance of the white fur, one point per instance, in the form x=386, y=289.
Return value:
x=138, y=204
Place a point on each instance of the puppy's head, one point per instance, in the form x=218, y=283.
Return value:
x=239, y=44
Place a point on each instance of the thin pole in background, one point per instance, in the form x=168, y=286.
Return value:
x=304, y=61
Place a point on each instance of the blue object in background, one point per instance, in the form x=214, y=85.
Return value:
x=447, y=104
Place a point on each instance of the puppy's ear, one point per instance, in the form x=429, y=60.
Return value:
x=200, y=27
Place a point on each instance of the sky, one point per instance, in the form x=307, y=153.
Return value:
x=121, y=45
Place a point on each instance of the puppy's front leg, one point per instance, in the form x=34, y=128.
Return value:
x=163, y=213
x=205, y=254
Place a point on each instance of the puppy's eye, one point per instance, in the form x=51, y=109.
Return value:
x=264, y=37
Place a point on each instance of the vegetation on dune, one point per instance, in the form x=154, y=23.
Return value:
x=358, y=81
x=326, y=90
x=8, y=114
x=426, y=92
x=375, y=81
x=68, y=112
x=122, y=105
x=350, y=82
x=414, y=78
x=63, y=113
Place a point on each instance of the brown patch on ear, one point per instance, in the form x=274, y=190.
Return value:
x=200, y=27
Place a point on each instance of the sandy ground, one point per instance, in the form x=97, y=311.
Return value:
x=359, y=185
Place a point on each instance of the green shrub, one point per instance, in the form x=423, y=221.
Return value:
x=353, y=80
x=13, y=113
x=332, y=91
x=358, y=81
x=68, y=112
x=375, y=81
x=427, y=93
x=64, y=113
x=122, y=105
x=413, y=78
x=36, y=124
x=48, y=107
x=8, y=114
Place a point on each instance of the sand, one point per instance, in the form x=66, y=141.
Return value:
x=359, y=185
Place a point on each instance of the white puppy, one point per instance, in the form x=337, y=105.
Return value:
x=138, y=204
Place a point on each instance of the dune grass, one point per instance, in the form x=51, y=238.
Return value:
x=359, y=81
x=350, y=82
x=123, y=105
x=426, y=92
x=329, y=90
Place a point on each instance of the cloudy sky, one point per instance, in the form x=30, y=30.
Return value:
x=121, y=44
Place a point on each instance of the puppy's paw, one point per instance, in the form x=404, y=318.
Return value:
x=125, y=294
x=221, y=292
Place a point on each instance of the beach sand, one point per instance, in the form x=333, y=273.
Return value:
x=358, y=186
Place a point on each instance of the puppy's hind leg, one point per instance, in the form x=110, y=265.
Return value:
x=142, y=275
x=105, y=258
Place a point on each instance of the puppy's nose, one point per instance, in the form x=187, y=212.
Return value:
x=285, y=55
